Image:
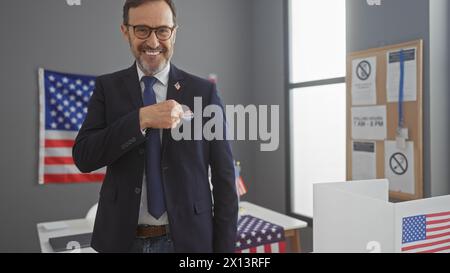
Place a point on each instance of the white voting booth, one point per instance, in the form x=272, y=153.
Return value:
x=358, y=217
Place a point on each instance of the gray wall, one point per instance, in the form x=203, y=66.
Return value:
x=268, y=182
x=439, y=98
x=87, y=40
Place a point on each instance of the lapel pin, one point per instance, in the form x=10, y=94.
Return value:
x=178, y=86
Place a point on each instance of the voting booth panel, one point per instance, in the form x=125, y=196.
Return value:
x=358, y=217
x=349, y=216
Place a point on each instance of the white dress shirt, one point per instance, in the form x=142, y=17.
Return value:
x=160, y=89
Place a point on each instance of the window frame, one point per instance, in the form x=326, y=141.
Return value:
x=288, y=87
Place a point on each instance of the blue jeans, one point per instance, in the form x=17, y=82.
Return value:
x=162, y=244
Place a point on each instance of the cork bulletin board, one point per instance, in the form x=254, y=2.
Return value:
x=374, y=97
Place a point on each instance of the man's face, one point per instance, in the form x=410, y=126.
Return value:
x=151, y=54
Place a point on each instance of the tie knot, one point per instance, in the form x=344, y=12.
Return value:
x=149, y=81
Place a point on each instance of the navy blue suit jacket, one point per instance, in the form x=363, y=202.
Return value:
x=111, y=136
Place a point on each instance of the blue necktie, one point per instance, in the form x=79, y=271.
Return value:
x=155, y=193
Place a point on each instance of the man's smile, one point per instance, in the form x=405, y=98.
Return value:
x=153, y=52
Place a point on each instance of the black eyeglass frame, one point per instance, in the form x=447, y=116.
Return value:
x=151, y=30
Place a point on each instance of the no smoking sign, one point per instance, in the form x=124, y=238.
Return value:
x=398, y=163
x=363, y=70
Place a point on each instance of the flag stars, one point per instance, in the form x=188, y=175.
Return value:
x=67, y=99
x=259, y=232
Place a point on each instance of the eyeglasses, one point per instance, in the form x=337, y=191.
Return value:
x=163, y=33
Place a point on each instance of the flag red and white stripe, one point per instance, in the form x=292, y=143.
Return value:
x=56, y=164
x=242, y=189
x=279, y=247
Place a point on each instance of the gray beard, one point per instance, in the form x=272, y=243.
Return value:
x=149, y=71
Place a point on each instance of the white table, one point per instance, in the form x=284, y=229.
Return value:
x=291, y=226
x=74, y=227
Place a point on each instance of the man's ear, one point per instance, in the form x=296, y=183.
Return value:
x=174, y=36
x=125, y=32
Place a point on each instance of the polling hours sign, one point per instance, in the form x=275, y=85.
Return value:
x=369, y=123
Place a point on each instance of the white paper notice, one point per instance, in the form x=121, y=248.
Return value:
x=364, y=81
x=369, y=123
x=399, y=167
x=410, y=75
x=364, y=161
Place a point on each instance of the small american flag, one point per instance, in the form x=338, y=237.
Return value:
x=63, y=108
x=240, y=185
x=258, y=236
x=241, y=188
x=429, y=233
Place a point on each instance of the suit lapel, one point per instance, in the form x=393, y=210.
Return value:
x=174, y=92
x=175, y=86
x=134, y=87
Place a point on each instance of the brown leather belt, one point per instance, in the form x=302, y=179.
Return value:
x=144, y=231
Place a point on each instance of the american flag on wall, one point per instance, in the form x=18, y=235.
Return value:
x=63, y=108
x=429, y=233
x=258, y=236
